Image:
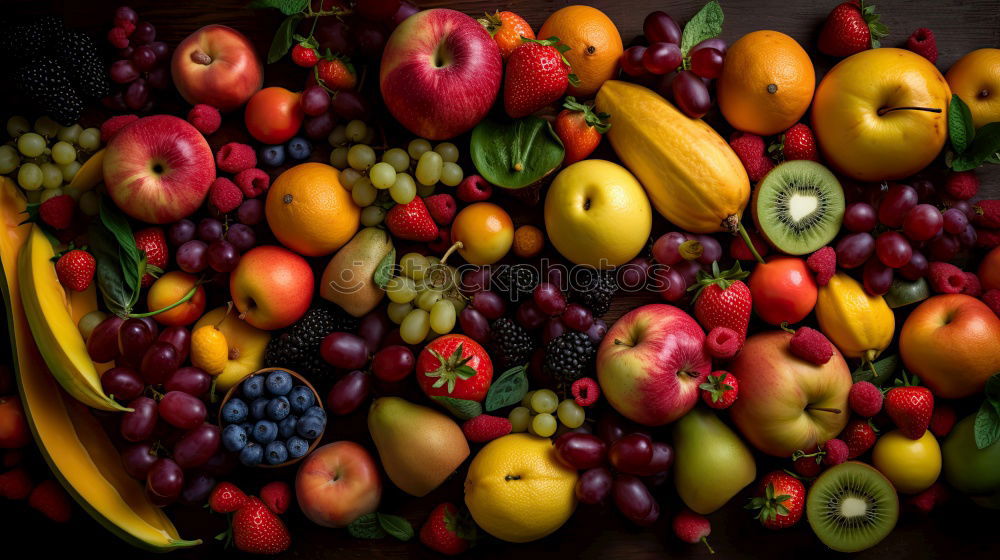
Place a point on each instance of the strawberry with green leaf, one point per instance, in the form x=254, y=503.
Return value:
x=780, y=501
x=448, y=530
x=580, y=129
x=537, y=75
x=720, y=389
x=455, y=366
x=721, y=298
x=850, y=28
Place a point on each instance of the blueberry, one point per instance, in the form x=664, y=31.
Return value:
x=279, y=382
x=252, y=454
x=247, y=427
x=258, y=408
x=299, y=148
x=315, y=410
x=235, y=411
x=310, y=427
x=278, y=408
x=273, y=155
x=297, y=447
x=286, y=428
x=264, y=431
x=301, y=398
x=253, y=387
x=234, y=437
x=275, y=453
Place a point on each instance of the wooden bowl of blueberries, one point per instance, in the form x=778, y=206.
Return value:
x=272, y=418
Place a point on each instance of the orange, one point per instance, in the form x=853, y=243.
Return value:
x=594, y=42
x=485, y=231
x=528, y=241
x=507, y=28
x=976, y=79
x=767, y=83
x=310, y=212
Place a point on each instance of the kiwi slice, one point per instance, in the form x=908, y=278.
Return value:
x=799, y=206
x=852, y=507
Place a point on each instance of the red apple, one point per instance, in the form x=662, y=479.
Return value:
x=440, y=73
x=217, y=65
x=271, y=287
x=158, y=169
x=786, y=403
x=952, y=343
x=338, y=483
x=651, y=362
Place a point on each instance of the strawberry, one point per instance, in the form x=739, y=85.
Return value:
x=57, y=212
x=412, y=221
x=336, y=73
x=75, y=269
x=277, y=495
x=780, y=500
x=226, y=498
x=537, y=75
x=860, y=436
x=723, y=300
x=447, y=530
x=304, y=56
x=154, y=244
x=796, y=143
x=580, y=129
x=910, y=408
x=720, y=390
x=506, y=28
x=927, y=500
x=454, y=366
x=483, y=428
x=50, y=499
x=442, y=208
x=691, y=528
x=258, y=530
x=850, y=28
x=15, y=484
x=750, y=149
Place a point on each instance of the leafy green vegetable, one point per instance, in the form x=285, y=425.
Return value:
x=461, y=408
x=706, y=24
x=283, y=38
x=987, y=423
x=395, y=526
x=515, y=154
x=508, y=389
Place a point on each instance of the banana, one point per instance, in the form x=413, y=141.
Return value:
x=54, y=329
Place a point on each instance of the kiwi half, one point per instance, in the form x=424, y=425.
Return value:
x=798, y=206
x=852, y=507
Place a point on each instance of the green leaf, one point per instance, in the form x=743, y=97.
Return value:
x=131, y=260
x=366, y=527
x=383, y=272
x=287, y=7
x=283, y=38
x=515, y=154
x=706, y=24
x=884, y=369
x=462, y=409
x=395, y=526
x=117, y=295
x=960, y=128
x=987, y=425
x=508, y=389
x=985, y=147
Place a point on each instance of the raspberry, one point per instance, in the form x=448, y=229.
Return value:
x=57, y=211
x=942, y=420
x=922, y=42
x=723, y=343
x=205, y=118
x=750, y=149
x=224, y=195
x=585, y=391
x=485, y=427
x=235, y=157
x=987, y=214
x=276, y=495
x=824, y=264
x=811, y=345
x=972, y=286
x=859, y=436
x=865, y=399
x=925, y=501
x=442, y=208
x=988, y=238
x=442, y=242
x=962, y=185
x=15, y=484
x=253, y=182
x=50, y=499
x=739, y=250
x=836, y=452
x=474, y=189
x=111, y=126
x=946, y=278
x=992, y=299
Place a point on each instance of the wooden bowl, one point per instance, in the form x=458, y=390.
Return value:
x=299, y=380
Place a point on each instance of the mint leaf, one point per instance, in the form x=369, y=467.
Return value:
x=883, y=371
x=508, y=389
x=287, y=7
x=987, y=423
x=383, y=272
x=283, y=38
x=462, y=409
x=366, y=527
x=396, y=526
x=960, y=128
x=706, y=24
x=985, y=147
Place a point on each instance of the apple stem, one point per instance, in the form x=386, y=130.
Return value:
x=746, y=239
x=830, y=410
x=201, y=57
x=186, y=297
x=454, y=247
x=620, y=343
x=885, y=110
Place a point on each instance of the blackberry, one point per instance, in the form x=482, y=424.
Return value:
x=593, y=289
x=567, y=358
x=22, y=42
x=516, y=281
x=47, y=83
x=297, y=348
x=78, y=52
x=512, y=342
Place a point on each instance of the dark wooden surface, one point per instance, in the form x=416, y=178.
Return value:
x=959, y=530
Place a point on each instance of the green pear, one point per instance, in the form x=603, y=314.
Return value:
x=349, y=279
x=969, y=469
x=419, y=447
x=712, y=463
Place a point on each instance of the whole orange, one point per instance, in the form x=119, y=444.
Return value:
x=170, y=288
x=976, y=79
x=766, y=84
x=594, y=45
x=485, y=231
x=310, y=212
x=507, y=29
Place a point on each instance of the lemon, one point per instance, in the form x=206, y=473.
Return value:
x=209, y=350
x=912, y=465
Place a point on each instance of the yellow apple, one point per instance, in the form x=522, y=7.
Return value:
x=597, y=214
x=912, y=465
x=976, y=79
x=246, y=345
x=881, y=114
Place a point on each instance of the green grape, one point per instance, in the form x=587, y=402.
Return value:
x=451, y=174
x=90, y=139
x=571, y=414
x=423, y=191
x=448, y=151
x=526, y=399
x=9, y=159
x=544, y=400
x=363, y=193
x=48, y=193
x=457, y=302
x=89, y=322
x=398, y=311
x=31, y=144
x=400, y=289
x=348, y=177
x=413, y=265
x=372, y=216
x=70, y=133
x=382, y=175
x=360, y=156
x=429, y=168
x=432, y=261
x=544, y=424
x=370, y=136
x=403, y=189
x=443, y=317
x=417, y=148
x=52, y=177
x=17, y=125
x=29, y=176
x=519, y=418
x=355, y=130
x=338, y=136
x=338, y=157
x=428, y=298
x=69, y=170
x=397, y=158
x=75, y=193
x=46, y=127
x=63, y=153
x=90, y=204
x=415, y=326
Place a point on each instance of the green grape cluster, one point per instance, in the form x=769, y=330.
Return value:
x=424, y=299
x=541, y=412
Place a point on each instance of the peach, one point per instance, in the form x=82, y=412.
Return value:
x=170, y=288
x=271, y=287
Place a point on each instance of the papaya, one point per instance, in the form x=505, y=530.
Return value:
x=692, y=176
x=859, y=324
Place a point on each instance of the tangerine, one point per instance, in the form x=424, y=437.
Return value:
x=310, y=212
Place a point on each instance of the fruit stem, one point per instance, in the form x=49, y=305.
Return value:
x=708, y=546
x=746, y=239
x=882, y=111
x=201, y=57
x=830, y=410
x=454, y=247
x=186, y=297
x=620, y=343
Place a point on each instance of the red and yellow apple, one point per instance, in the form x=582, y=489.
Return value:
x=651, y=362
x=158, y=169
x=216, y=65
x=271, y=287
x=952, y=343
x=170, y=288
x=786, y=403
x=338, y=483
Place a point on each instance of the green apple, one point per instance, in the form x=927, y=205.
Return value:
x=969, y=469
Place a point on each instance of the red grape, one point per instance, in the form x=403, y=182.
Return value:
x=631, y=453
x=597, y=331
x=691, y=94
x=854, y=249
x=197, y=488
x=633, y=498
x=197, y=446
x=580, y=451
x=143, y=58
x=139, y=424
x=251, y=212
x=377, y=10
x=660, y=58
x=102, y=346
x=332, y=33
x=182, y=410
x=554, y=328
x=713, y=43
x=165, y=480
x=210, y=229
x=159, y=362
x=138, y=459
x=896, y=203
x=159, y=78
x=348, y=393
x=556, y=275
x=944, y=247
x=666, y=248
x=577, y=317
x=405, y=10
x=968, y=237
x=123, y=72
x=489, y=304
x=191, y=380
x=549, y=299
x=965, y=207
x=529, y=316
x=916, y=268
x=134, y=339
x=671, y=284
x=241, y=237
x=125, y=15
x=631, y=61
x=160, y=49
x=476, y=280
x=122, y=383
x=370, y=38
x=711, y=249
x=474, y=325
x=860, y=217
x=179, y=338
x=222, y=256
x=877, y=277
x=192, y=256
x=893, y=249
x=689, y=271
x=319, y=127
x=315, y=100
x=922, y=222
x=137, y=94
x=924, y=188
x=633, y=274
x=662, y=459
x=707, y=62
x=344, y=350
x=611, y=427
x=144, y=33
x=594, y=485
x=373, y=327
x=954, y=221
x=660, y=27
x=348, y=105
x=180, y=232
x=393, y=363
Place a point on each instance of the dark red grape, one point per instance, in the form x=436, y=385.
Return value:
x=125, y=15
x=137, y=94
x=393, y=363
x=138, y=458
x=139, y=424
x=319, y=127
x=315, y=100
x=405, y=10
x=711, y=249
x=331, y=33
x=954, y=221
x=897, y=202
x=165, y=480
x=344, y=350
x=854, y=249
x=707, y=63
x=210, y=229
x=713, y=43
x=660, y=27
x=241, y=237
x=529, y=316
x=122, y=383
x=251, y=212
x=159, y=78
x=179, y=338
x=662, y=459
x=348, y=393
x=666, y=248
x=182, y=410
x=180, y=232
x=689, y=271
x=144, y=33
x=580, y=451
x=877, y=277
x=143, y=58
x=192, y=257
x=377, y=10
x=944, y=247
x=633, y=274
x=577, y=317
x=159, y=362
x=549, y=299
x=691, y=94
x=373, y=327
x=670, y=283
x=102, y=346
x=924, y=188
x=922, y=222
x=476, y=280
x=631, y=453
x=160, y=49
x=860, y=217
x=916, y=268
x=893, y=249
x=191, y=380
x=633, y=498
x=553, y=328
x=474, y=325
x=611, y=427
x=597, y=331
x=370, y=38
x=965, y=207
x=123, y=72
x=660, y=58
x=594, y=485
x=134, y=339
x=968, y=237
x=197, y=446
x=489, y=304
x=197, y=488
x=631, y=61
x=222, y=256
x=348, y=105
